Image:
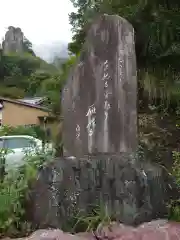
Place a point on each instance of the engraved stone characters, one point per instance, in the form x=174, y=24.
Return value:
x=99, y=98
x=91, y=120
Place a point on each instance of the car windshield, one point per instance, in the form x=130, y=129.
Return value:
x=14, y=143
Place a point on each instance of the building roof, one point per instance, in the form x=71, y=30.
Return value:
x=34, y=100
x=24, y=103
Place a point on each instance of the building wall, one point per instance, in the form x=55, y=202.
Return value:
x=15, y=114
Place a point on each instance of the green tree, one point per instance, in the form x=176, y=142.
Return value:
x=28, y=46
x=24, y=72
x=53, y=86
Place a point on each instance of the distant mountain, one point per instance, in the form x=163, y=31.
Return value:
x=58, y=61
x=49, y=52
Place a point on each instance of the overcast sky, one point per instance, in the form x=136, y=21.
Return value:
x=42, y=21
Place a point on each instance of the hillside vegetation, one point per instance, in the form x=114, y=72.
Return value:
x=27, y=75
x=157, y=38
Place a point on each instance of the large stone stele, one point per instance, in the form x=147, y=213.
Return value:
x=99, y=99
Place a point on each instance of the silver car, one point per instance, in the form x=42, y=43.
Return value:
x=14, y=149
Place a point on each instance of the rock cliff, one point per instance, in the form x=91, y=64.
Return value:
x=13, y=41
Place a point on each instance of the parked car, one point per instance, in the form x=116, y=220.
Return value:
x=15, y=149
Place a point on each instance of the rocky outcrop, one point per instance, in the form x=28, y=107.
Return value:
x=13, y=41
x=156, y=230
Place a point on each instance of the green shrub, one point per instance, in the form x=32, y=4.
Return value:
x=176, y=167
x=174, y=207
x=34, y=131
x=20, y=130
x=13, y=192
x=97, y=217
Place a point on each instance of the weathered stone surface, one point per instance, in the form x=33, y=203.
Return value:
x=99, y=99
x=54, y=234
x=132, y=192
x=155, y=230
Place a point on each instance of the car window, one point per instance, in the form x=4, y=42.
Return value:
x=14, y=143
x=1, y=143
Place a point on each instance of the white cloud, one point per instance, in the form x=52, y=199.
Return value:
x=42, y=21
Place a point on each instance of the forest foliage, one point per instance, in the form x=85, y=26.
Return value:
x=27, y=75
x=157, y=40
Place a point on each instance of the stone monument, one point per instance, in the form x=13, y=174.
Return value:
x=100, y=117
x=99, y=99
